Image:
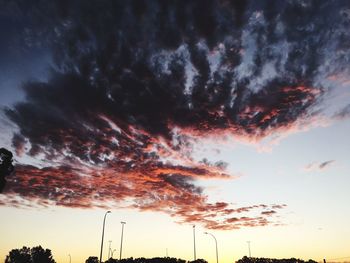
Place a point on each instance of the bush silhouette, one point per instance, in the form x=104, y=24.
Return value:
x=92, y=260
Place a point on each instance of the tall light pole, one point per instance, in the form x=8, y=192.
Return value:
x=121, y=240
x=70, y=258
x=249, y=249
x=216, y=246
x=103, y=233
x=194, y=241
x=109, y=249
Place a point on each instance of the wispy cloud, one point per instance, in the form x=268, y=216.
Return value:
x=144, y=190
x=318, y=166
x=343, y=113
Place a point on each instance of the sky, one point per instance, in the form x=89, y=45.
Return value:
x=230, y=116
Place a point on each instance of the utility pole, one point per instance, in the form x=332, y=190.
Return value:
x=121, y=240
x=249, y=249
x=109, y=250
x=194, y=242
x=103, y=233
x=216, y=246
x=166, y=251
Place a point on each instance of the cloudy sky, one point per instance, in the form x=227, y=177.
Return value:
x=231, y=116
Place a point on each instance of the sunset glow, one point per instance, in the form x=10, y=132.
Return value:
x=232, y=116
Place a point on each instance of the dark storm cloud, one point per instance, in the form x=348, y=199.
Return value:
x=121, y=71
x=133, y=82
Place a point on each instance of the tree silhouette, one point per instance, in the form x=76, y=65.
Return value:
x=41, y=255
x=199, y=260
x=92, y=260
x=6, y=167
x=30, y=255
x=19, y=256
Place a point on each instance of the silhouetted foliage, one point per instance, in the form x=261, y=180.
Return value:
x=199, y=260
x=19, y=256
x=6, y=167
x=272, y=260
x=146, y=260
x=30, y=255
x=92, y=260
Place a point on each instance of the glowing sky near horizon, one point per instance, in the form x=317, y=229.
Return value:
x=230, y=116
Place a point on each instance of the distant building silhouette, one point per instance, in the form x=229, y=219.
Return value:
x=6, y=167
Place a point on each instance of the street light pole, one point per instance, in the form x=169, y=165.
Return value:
x=194, y=241
x=109, y=249
x=70, y=258
x=249, y=249
x=103, y=233
x=121, y=240
x=216, y=246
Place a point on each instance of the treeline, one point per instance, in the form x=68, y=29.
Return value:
x=176, y=260
x=41, y=255
x=145, y=260
x=273, y=260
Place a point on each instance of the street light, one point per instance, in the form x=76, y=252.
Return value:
x=109, y=249
x=103, y=233
x=121, y=240
x=249, y=249
x=194, y=241
x=216, y=246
